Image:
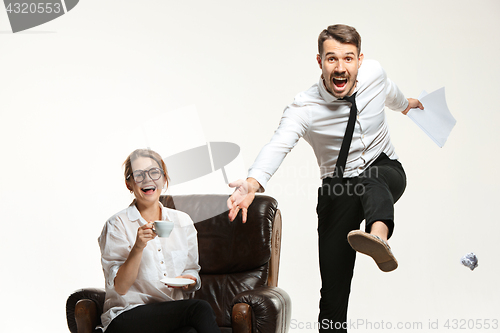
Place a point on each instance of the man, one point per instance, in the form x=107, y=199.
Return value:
x=342, y=118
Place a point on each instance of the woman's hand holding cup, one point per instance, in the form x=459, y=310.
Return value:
x=144, y=235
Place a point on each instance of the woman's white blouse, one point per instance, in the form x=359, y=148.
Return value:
x=162, y=257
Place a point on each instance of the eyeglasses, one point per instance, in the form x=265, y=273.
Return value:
x=140, y=175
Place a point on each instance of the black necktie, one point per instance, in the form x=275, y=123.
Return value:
x=338, y=173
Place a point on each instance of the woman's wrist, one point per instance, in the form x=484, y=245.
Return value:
x=137, y=249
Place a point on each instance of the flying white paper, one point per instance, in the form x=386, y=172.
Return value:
x=435, y=119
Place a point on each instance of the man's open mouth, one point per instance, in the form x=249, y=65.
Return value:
x=148, y=189
x=340, y=82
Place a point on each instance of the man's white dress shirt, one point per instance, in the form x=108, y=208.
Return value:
x=162, y=257
x=321, y=119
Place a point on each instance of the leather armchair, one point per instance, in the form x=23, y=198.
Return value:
x=239, y=268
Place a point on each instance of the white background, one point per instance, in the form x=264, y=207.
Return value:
x=72, y=92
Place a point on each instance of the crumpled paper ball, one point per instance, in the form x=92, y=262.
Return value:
x=470, y=260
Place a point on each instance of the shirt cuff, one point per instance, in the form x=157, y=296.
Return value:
x=405, y=105
x=198, y=280
x=260, y=177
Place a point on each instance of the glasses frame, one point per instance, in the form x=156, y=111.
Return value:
x=144, y=172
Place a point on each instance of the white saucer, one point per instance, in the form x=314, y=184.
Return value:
x=177, y=282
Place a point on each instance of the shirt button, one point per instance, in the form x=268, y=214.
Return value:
x=159, y=250
x=161, y=262
x=164, y=274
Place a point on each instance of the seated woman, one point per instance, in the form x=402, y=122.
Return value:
x=134, y=259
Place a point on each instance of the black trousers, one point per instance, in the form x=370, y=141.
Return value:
x=371, y=197
x=183, y=316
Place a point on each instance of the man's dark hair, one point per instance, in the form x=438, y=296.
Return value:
x=341, y=33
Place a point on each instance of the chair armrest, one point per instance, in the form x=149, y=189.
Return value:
x=84, y=309
x=86, y=316
x=270, y=310
x=241, y=318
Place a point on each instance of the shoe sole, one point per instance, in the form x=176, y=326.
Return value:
x=374, y=247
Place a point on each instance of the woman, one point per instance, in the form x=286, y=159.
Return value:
x=134, y=259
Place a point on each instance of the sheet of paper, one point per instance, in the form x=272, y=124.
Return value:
x=435, y=119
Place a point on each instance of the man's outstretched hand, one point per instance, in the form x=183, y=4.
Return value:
x=242, y=197
x=413, y=104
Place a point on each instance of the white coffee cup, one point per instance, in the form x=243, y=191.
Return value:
x=163, y=228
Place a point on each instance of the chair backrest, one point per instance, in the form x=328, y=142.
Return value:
x=234, y=256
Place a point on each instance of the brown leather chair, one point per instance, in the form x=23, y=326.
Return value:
x=239, y=268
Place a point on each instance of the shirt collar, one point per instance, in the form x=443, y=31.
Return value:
x=134, y=215
x=326, y=95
